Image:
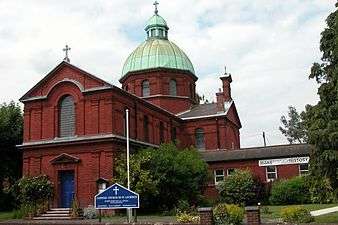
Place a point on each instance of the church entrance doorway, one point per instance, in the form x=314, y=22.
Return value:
x=66, y=179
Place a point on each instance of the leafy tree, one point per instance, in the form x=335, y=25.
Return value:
x=322, y=119
x=11, y=123
x=293, y=127
x=239, y=188
x=164, y=176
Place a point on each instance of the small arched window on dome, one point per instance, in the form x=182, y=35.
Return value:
x=199, y=138
x=172, y=87
x=145, y=88
x=67, y=117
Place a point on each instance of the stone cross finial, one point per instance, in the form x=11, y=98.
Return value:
x=66, y=49
x=156, y=4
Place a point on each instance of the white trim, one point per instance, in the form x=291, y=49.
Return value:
x=215, y=176
x=169, y=96
x=266, y=173
x=228, y=174
x=299, y=170
x=82, y=138
x=207, y=116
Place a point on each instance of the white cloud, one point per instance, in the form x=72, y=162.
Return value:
x=268, y=46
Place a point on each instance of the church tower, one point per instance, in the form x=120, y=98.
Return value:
x=159, y=71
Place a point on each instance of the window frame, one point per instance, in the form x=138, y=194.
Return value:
x=197, y=133
x=146, y=128
x=229, y=173
x=267, y=173
x=145, y=85
x=60, y=111
x=173, y=87
x=301, y=171
x=217, y=176
x=161, y=132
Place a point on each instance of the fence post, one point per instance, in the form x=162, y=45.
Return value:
x=206, y=216
x=253, y=215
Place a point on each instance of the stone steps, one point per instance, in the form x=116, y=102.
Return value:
x=55, y=214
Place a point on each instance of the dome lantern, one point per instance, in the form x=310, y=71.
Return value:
x=156, y=26
x=157, y=51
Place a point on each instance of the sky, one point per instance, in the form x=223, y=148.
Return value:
x=267, y=46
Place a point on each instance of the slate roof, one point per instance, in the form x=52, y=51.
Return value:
x=277, y=151
x=204, y=110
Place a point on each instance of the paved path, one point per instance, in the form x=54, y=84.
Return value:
x=324, y=211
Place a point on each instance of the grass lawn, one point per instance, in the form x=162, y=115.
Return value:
x=275, y=210
x=328, y=218
x=6, y=216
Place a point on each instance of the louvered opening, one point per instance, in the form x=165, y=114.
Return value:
x=67, y=117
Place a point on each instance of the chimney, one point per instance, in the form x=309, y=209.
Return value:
x=225, y=95
x=226, y=80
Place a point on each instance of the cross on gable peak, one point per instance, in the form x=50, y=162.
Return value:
x=66, y=50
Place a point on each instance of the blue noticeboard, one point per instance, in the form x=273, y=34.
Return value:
x=117, y=197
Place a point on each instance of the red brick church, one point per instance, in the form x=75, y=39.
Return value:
x=74, y=122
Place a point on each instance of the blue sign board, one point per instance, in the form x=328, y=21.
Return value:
x=117, y=197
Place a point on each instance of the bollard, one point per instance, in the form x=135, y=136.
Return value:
x=253, y=215
x=206, y=216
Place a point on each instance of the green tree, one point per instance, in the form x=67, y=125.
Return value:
x=239, y=188
x=322, y=119
x=293, y=127
x=165, y=175
x=11, y=123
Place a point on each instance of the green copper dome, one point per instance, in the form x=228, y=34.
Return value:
x=156, y=20
x=157, y=51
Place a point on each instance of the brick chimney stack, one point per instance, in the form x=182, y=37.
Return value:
x=226, y=80
x=225, y=95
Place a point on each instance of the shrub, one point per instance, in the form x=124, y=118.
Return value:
x=239, y=188
x=89, y=212
x=225, y=214
x=292, y=191
x=184, y=217
x=296, y=214
x=33, y=193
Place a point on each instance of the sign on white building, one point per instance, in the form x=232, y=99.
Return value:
x=284, y=161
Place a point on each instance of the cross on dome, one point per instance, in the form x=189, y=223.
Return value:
x=156, y=4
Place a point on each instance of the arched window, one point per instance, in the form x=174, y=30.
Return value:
x=67, y=117
x=199, y=138
x=146, y=128
x=145, y=88
x=161, y=132
x=172, y=87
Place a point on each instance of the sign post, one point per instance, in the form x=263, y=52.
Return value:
x=117, y=197
x=128, y=169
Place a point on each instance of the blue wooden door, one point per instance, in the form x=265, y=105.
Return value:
x=67, y=188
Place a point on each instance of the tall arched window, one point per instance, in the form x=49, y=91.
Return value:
x=161, y=132
x=145, y=88
x=172, y=87
x=146, y=128
x=199, y=138
x=67, y=117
